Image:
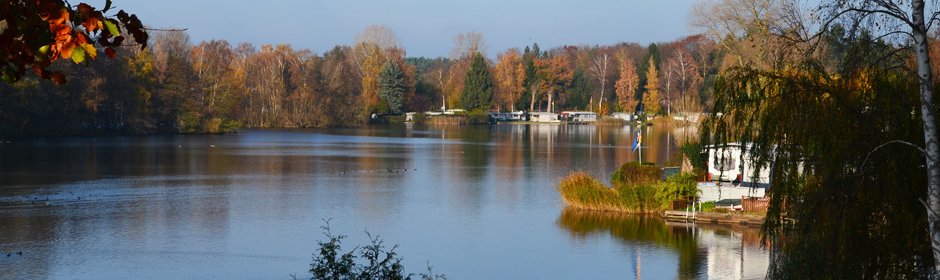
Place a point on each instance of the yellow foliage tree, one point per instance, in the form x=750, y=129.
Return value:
x=372, y=60
x=651, y=96
x=510, y=76
x=626, y=86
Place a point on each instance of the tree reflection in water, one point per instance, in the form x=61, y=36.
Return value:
x=716, y=251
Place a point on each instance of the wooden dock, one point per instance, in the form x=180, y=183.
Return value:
x=714, y=218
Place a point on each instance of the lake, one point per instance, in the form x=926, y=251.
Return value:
x=476, y=202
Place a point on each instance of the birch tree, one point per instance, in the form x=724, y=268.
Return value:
x=599, y=66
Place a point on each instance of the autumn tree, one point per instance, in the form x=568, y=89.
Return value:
x=510, y=76
x=369, y=55
x=627, y=86
x=478, y=86
x=651, y=90
x=37, y=33
x=466, y=45
x=391, y=88
x=304, y=106
x=553, y=76
x=211, y=66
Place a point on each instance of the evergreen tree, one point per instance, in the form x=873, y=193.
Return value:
x=528, y=60
x=579, y=93
x=478, y=85
x=391, y=88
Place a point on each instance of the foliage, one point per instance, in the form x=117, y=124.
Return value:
x=37, y=33
x=510, y=76
x=707, y=206
x=640, y=229
x=635, y=173
x=676, y=187
x=391, y=87
x=637, y=189
x=177, y=86
x=651, y=93
x=478, y=86
x=478, y=117
x=579, y=93
x=371, y=261
x=627, y=85
x=552, y=75
x=837, y=167
x=693, y=151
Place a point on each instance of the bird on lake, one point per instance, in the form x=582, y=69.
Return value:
x=8, y=255
x=19, y=253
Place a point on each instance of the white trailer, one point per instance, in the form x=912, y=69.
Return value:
x=732, y=163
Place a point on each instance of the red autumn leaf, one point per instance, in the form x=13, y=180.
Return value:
x=110, y=52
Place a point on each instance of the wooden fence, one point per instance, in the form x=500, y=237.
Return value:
x=755, y=204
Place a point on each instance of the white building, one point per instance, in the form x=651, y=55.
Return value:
x=578, y=116
x=544, y=117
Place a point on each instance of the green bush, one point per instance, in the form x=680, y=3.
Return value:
x=693, y=151
x=676, y=187
x=478, y=117
x=229, y=126
x=419, y=118
x=635, y=173
x=374, y=261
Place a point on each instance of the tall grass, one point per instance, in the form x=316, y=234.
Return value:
x=580, y=190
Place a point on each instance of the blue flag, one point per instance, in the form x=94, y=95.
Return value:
x=637, y=141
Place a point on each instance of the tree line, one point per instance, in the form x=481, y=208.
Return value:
x=176, y=86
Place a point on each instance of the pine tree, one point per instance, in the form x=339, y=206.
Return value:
x=478, y=85
x=391, y=87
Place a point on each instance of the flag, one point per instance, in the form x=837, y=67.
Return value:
x=637, y=140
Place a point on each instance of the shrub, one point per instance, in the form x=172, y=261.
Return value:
x=637, y=189
x=478, y=117
x=676, y=187
x=419, y=118
x=213, y=125
x=634, y=173
x=374, y=261
x=693, y=151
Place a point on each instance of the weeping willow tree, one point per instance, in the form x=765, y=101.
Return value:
x=842, y=142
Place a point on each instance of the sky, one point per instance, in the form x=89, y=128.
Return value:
x=424, y=27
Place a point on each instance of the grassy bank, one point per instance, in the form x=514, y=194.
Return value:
x=637, y=188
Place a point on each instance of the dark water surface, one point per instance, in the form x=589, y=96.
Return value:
x=477, y=202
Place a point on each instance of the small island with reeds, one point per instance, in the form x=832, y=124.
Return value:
x=640, y=188
x=636, y=188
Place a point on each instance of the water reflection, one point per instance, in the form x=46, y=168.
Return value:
x=250, y=205
x=703, y=251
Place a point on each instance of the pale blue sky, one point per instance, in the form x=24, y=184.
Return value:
x=424, y=27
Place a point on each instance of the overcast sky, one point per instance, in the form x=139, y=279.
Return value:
x=424, y=27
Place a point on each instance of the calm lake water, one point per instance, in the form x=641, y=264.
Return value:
x=477, y=202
